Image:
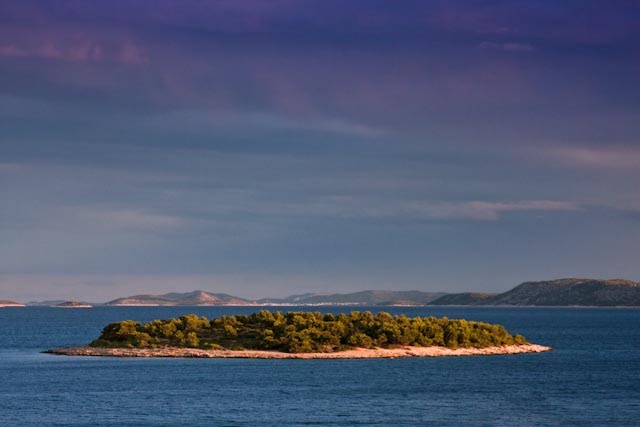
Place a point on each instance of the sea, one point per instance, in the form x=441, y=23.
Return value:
x=591, y=378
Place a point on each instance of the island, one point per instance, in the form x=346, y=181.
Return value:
x=195, y=298
x=5, y=303
x=303, y=335
x=73, y=304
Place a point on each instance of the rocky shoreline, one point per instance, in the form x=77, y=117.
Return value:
x=358, y=353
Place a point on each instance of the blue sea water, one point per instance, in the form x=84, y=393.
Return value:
x=591, y=378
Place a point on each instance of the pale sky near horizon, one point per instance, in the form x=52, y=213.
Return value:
x=270, y=148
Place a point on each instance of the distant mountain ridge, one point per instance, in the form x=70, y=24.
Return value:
x=213, y=299
x=360, y=298
x=560, y=292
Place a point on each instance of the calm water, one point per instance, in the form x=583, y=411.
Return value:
x=591, y=378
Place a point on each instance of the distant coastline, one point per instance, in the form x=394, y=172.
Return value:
x=570, y=292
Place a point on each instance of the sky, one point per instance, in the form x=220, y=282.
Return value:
x=267, y=148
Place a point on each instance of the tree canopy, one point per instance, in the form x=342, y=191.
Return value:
x=295, y=332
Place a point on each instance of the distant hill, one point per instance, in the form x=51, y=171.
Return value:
x=561, y=292
x=573, y=292
x=5, y=303
x=361, y=298
x=465, y=298
x=188, y=298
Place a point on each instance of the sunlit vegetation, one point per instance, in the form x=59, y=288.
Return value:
x=295, y=332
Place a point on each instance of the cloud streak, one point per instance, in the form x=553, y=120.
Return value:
x=81, y=51
x=421, y=210
x=507, y=46
x=213, y=121
x=128, y=219
x=613, y=158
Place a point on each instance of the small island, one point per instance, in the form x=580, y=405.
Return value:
x=303, y=335
x=5, y=303
x=73, y=304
